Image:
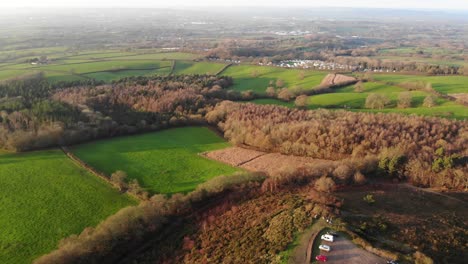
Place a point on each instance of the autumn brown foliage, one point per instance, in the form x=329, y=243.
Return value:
x=405, y=145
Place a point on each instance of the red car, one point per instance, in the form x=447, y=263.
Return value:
x=321, y=258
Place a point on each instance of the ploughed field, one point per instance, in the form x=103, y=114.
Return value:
x=45, y=197
x=167, y=161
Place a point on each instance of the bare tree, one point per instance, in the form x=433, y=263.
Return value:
x=279, y=83
x=377, y=101
x=405, y=99
x=359, y=87
x=270, y=91
x=301, y=101
x=429, y=101
x=325, y=184
x=285, y=94
x=118, y=178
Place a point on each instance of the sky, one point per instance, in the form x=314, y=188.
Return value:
x=420, y=4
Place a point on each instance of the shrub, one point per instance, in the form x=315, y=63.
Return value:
x=285, y=94
x=369, y=199
x=301, y=101
x=377, y=101
x=405, y=99
x=270, y=91
x=429, y=101
x=359, y=178
x=118, y=178
x=325, y=184
x=359, y=87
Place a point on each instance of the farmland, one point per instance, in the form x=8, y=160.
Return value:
x=45, y=197
x=163, y=162
x=443, y=84
x=258, y=78
x=100, y=65
x=346, y=98
x=183, y=67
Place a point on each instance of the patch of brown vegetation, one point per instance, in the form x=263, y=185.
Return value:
x=273, y=163
x=258, y=161
x=461, y=97
x=336, y=79
x=234, y=156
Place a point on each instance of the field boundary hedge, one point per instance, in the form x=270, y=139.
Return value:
x=223, y=69
x=93, y=171
x=172, y=68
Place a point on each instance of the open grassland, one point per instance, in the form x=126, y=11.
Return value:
x=346, y=98
x=443, y=84
x=163, y=162
x=114, y=65
x=101, y=65
x=99, y=70
x=184, y=67
x=446, y=109
x=44, y=198
x=258, y=78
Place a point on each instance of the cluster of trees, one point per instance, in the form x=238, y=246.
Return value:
x=406, y=144
x=36, y=114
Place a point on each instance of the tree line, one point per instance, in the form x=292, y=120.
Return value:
x=428, y=151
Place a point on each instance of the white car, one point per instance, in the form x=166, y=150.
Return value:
x=327, y=237
x=325, y=248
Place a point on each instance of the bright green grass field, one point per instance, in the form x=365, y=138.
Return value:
x=45, y=197
x=184, y=67
x=444, y=84
x=356, y=101
x=244, y=80
x=163, y=162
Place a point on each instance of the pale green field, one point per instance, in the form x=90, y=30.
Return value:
x=443, y=84
x=183, y=67
x=244, y=77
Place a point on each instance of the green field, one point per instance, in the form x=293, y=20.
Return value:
x=346, y=98
x=163, y=162
x=45, y=197
x=103, y=65
x=245, y=79
x=184, y=67
x=443, y=84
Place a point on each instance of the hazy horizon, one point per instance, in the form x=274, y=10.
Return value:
x=395, y=4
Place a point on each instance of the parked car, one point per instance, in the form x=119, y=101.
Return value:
x=392, y=262
x=327, y=237
x=333, y=233
x=321, y=258
x=324, y=247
